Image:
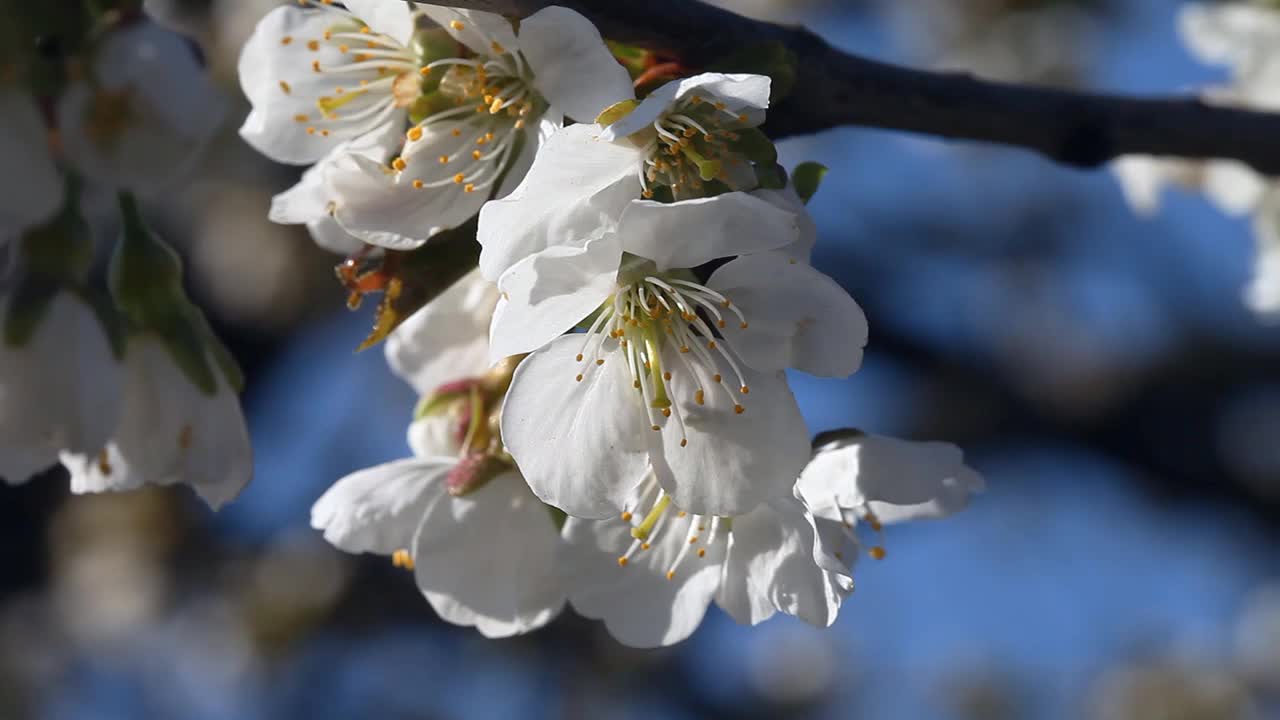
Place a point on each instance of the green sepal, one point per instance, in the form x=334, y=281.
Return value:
x=806, y=179
x=615, y=112
x=112, y=324
x=187, y=349
x=771, y=177
x=422, y=275
x=29, y=303
x=145, y=274
x=222, y=357
x=755, y=146
x=772, y=58
x=428, y=104
x=634, y=59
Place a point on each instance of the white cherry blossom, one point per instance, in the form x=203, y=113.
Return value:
x=651, y=573
x=142, y=118
x=855, y=476
x=469, y=117
x=170, y=432
x=484, y=550
x=24, y=148
x=676, y=142
x=59, y=391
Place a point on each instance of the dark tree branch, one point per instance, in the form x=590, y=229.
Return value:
x=834, y=88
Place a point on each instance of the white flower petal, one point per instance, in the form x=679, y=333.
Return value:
x=580, y=445
x=572, y=67
x=169, y=432
x=1263, y=292
x=434, y=436
x=378, y=509
x=277, y=78
x=689, y=233
x=476, y=29
x=788, y=200
x=24, y=149
x=638, y=604
x=732, y=462
x=547, y=294
x=489, y=559
x=1230, y=33
x=796, y=316
x=898, y=479
x=447, y=339
x=1233, y=186
x=770, y=567
x=60, y=391
x=381, y=210
x=742, y=95
x=573, y=194
x=389, y=18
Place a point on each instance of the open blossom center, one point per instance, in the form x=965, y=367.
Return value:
x=379, y=72
x=659, y=519
x=692, y=145
x=485, y=104
x=653, y=314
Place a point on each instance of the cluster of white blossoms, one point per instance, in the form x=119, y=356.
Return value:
x=133, y=389
x=605, y=416
x=1244, y=36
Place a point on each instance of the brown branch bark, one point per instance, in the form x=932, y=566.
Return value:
x=834, y=88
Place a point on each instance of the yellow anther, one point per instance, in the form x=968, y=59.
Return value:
x=626, y=517
x=311, y=131
x=877, y=552
x=579, y=357
x=497, y=48
x=695, y=99
x=721, y=106
x=286, y=40
x=744, y=390
x=424, y=71
x=315, y=65
x=469, y=188
x=712, y=346
x=444, y=159
x=344, y=49
x=301, y=118
x=365, y=30
x=702, y=552
x=671, y=574
x=313, y=45
x=399, y=164
x=414, y=134
x=742, y=118
x=476, y=154
x=456, y=24
x=684, y=348
x=457, y=132
x=402, y=559
x=459, y=179
x=684, y=442
x=693, y=540
x=285, y=87
x=716, y=377
x=744, y=322
x=721, y=324
x=579, y=377
x=599, y=361
x=622, y=562
x=656, y=428
x=644, y=546
x=699, y=397
x=666, y=412
x=666, y=376
x=418, y=184
x=738, y=409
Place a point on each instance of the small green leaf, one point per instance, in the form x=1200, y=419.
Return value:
x=806, y=178
x=634, y=59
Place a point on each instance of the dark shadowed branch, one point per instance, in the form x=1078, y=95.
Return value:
x=834, y=88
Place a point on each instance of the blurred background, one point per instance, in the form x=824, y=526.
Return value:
x=1099, y=369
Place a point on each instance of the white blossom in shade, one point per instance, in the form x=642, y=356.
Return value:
x=855, y=477
x=24, y=148
x=170, y=432
x=677, y=141
x=672, y=373
x=59, y=391
x=448, y=339
x=1246, y=38
x=470, y=118
x=651, y=573
x=1262, y=295
x=142, y=118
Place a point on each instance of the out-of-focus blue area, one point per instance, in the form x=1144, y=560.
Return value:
x=1061, y=570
